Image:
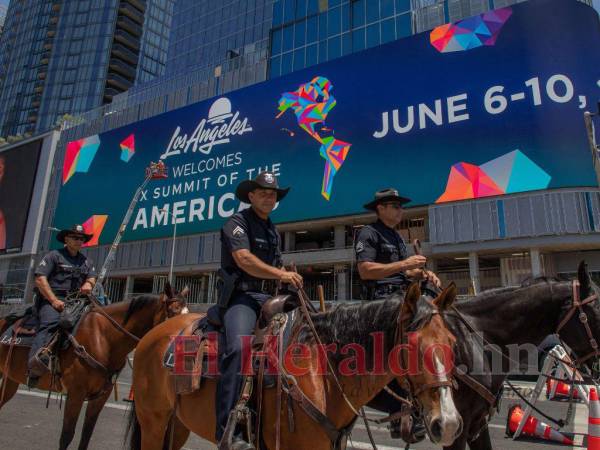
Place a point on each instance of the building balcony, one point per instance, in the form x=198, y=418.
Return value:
x=118, y=81
x=127, y=40
x=124, y=53
x=39, y=87
x=139, y=4
x=127, y=9
x=54, y=20
x=32, y=118
x=41, y=75
x=48, y=44
x=109, y=93
x=122, y=68
x=126, y=23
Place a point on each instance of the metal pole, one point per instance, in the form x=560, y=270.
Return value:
x=172, y=249
x=594, y=148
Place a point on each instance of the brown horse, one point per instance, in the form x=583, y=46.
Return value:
x=107, y=342
x=161, y=419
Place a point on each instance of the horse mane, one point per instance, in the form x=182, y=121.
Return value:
x=354, y=324
x=138, y=303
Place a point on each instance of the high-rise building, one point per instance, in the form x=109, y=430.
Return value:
x=59, y=57
x=307, y=32
x=3, y=10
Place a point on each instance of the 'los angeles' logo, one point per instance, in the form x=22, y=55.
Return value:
x=217, y=129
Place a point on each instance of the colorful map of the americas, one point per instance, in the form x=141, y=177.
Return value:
x=311, y=104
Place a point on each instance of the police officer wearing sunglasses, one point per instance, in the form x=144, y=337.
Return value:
x=384, y=267
x=60, y=273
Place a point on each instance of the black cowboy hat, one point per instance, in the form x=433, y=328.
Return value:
x=264, y=180
x=75, y=230
x=386, y=196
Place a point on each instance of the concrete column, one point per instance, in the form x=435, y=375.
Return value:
x=128, y=287
x=341, y=280
x=339, y=236
x=289, y=241
x=536, y=263
x=474, y=271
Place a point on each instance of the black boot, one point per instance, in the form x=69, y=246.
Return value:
x=38, y=366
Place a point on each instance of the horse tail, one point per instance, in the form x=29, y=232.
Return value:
x=133, y=431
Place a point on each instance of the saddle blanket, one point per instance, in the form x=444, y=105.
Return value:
x=181, y=356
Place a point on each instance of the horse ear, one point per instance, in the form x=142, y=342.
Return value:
x=446, y=298
x=185, y=292
x=168, y=290
x=409, y=307
x=585, y=285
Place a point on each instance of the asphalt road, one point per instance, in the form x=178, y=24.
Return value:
x=25, y=424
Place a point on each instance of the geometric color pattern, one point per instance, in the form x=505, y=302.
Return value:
x=94, y=226
x=311, y=104
x=510, y=173
x=470, y=33
x=127, y=148
x=79, y=156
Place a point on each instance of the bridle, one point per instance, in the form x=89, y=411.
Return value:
x=413, y=391
x=578, y=305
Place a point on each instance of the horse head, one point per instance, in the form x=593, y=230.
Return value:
x=430, y=342
x=172, y=302
x=579, y=324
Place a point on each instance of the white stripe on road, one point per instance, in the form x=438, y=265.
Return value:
x=45, y=395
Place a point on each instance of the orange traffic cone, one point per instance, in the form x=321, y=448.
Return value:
x=533, y=427
x=130, y=396
x=593, y=440
x=562, y=390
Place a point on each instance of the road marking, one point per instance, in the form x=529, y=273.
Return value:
x=45, y=395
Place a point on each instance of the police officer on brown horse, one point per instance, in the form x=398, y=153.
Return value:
x=250, y=265
x=60, y=273
x=384, y=268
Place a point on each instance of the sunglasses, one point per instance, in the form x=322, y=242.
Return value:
x=77, y=238
x=393, y=205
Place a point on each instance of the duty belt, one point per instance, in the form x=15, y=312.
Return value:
x=256, y=286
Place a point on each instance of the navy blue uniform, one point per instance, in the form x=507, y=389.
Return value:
x=244, y=230
x=381, y=244
x=65, y=274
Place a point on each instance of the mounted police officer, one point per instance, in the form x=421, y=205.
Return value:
x=250, y=262
x=59, y=273
x=383, y=262
x=384, y=267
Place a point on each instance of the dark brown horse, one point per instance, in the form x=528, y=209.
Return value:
x=107, y=342
x=156, y=404
x=506, y=318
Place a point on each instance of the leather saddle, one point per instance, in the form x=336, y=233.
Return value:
x=194, y=353
x=21, y=329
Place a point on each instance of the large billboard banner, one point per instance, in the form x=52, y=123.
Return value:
x=487, y=106
x=18, y=167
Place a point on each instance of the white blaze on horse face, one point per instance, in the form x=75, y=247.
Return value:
x=185, y=310
x=451, y=420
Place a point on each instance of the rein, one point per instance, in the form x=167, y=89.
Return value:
x=92, y=362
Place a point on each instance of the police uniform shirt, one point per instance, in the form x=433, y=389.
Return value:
x=245, y=230
x=381, y=244
x=65, y=273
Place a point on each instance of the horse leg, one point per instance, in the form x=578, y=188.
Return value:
x=9, y=391
x=180, y=435
x=483, y=441
x=73, y=406
x=92, y=411
x=154, y=428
